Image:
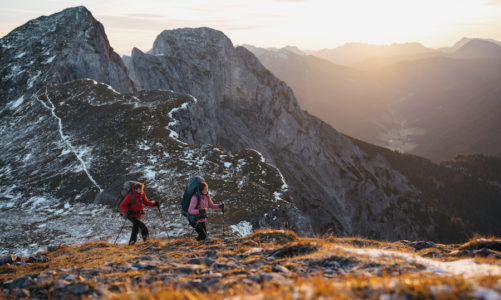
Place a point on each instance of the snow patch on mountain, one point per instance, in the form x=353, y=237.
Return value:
x=243, y=228
x=16, y=103
x=79, y=152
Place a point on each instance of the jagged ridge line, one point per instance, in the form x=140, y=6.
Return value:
x=65, y=139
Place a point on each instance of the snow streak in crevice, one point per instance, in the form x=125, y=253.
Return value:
x=65, y=138
x=172, y=124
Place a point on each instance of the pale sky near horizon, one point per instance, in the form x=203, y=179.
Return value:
x=308, y=24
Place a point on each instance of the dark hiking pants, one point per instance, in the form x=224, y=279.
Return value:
x=136, y=226
x=201, y=229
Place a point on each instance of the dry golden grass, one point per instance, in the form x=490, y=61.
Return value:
x=407, y=286
x=479, y=242
x=272, y=236
x=397, y=276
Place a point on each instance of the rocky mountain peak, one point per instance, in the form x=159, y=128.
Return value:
x=58, y=48
x=200, y=41
x=479, y=48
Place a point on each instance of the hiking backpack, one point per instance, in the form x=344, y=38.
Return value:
x=191, y=190
x=127, y=189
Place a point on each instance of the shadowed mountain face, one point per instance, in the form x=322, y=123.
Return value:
x=468, y=188
x=435, y=107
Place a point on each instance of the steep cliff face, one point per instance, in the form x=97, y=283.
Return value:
x=53, y=49
x=243, y=105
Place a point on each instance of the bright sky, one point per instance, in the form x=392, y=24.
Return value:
x=308, y=24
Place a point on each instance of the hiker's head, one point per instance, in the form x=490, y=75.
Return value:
x=139, y=188
x=203, y=187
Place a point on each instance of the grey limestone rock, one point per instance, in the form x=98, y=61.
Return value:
x=65, y=46
x=241, y=104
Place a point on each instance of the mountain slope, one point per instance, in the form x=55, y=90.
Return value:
x=477, y=48
x=435, y=107
x=469, y=196
x=82, y=138
x=453, y=101
x=318, y=84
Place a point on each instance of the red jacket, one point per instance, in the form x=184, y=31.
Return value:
x=137, y=206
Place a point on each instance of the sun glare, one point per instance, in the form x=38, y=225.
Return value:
x=387, y=21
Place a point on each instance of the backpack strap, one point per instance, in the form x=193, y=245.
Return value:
x=198, y=199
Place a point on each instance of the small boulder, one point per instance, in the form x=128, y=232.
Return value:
x=484, y=252
x=38, y=259
x=52, y=248
x=21, y=282
x=8, y=259
x=280, y=269
x=61, y=284
x=78, y=288
x=211, y=254
x=419, y=245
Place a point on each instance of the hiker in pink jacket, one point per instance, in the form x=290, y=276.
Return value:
x=198, y=207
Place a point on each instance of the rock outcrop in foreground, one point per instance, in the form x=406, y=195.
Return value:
x=265, y=263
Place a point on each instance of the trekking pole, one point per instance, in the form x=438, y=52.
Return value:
x=123, y=225
x=223, y=223
x=163, y=221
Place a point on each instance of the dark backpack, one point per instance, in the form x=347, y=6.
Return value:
x=191, y=189
x=127, y=189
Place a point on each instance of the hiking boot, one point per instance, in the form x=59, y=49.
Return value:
x=202, y=239
x=131, y=243
x=145, y=238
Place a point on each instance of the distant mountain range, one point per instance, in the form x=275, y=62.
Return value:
x=436, y=104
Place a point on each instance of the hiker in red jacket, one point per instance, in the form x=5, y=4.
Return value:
x=132, y=207
x=199, y=209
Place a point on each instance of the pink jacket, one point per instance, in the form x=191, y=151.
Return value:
x=205, y=202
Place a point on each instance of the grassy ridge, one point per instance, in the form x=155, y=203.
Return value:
x=268, y=264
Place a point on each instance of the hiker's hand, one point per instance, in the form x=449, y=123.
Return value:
x=221, y=206
x=156, y=204
x=202, y=211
